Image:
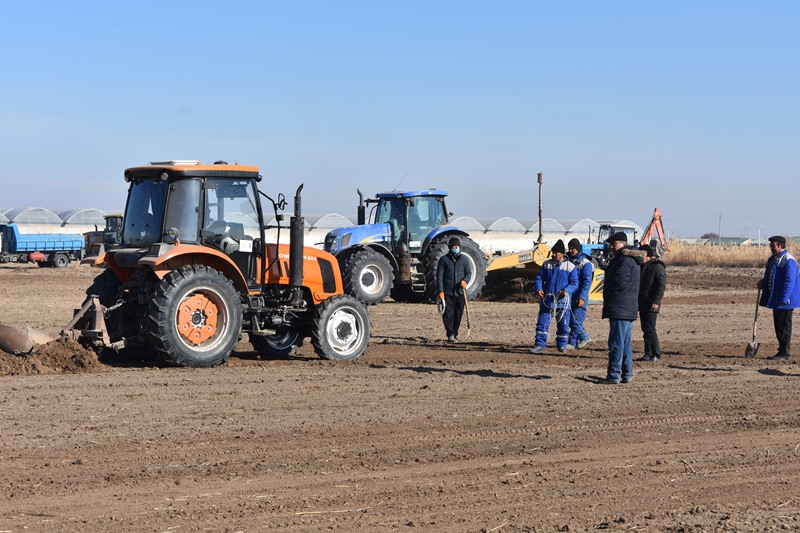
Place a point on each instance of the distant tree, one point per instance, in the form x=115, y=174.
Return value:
x=709, y=235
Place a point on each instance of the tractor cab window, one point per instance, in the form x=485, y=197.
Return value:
x=424, y=214
x=230, y=213
x=393, y=212
x=144, y=213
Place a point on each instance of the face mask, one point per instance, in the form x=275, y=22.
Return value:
x=455, y=251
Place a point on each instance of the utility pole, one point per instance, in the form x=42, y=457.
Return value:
x=719, y=231
x=540, y=180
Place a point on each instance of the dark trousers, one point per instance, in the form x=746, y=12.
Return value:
x=648, y=320
x=453, y=309
x=783, y=329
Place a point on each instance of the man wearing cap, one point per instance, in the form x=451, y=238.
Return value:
x=452, y=276
x=652, y=284
x=780, y=291
x=620, y=307
x=555, y=283
x=578, y=338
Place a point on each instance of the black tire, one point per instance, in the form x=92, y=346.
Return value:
x=368, y=276
x=279, y=346
x=61, y=261
x=195, y=317
x=106, y=287
x=341, y=328
x=470, y=250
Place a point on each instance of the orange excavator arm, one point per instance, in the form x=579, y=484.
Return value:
x=655, y=228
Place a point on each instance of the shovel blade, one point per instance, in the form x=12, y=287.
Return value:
x=752, y=349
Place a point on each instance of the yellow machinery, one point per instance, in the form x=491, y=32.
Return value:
x=532, y=261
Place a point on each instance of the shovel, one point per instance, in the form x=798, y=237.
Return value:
x=752, y=347
x=466, y=308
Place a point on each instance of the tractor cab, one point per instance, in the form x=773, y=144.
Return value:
x=411, y=216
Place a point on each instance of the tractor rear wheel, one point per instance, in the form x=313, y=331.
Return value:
x=278, y=346
x=195, y=317
x=341, y=328
x=368, y=276
x=477, y=263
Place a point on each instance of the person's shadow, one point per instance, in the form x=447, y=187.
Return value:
x=777, y=373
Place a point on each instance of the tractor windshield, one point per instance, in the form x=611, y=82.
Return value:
x=424, y=214
x=145, y=213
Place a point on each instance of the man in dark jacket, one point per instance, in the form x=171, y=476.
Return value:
x=452, y=276
x=620, y=307
x=651, y=289
x=780, y=288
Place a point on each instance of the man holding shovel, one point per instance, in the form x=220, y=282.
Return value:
x=780, y=291
x=452, y=276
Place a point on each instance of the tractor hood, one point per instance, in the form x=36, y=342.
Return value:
x=341, y=238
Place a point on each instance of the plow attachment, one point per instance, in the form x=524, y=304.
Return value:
x=21, y=341
x=89, y=324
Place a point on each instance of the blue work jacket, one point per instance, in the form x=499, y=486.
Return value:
x=554, y=277
x=585, y=275
x=780, y=287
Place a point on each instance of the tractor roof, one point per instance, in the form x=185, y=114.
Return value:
x=191, y=169
x=411, y=194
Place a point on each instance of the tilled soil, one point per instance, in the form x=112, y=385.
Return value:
x=417, y=434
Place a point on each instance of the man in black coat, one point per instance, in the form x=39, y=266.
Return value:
x=620, y=307
x=452, y=276
x=651, y=290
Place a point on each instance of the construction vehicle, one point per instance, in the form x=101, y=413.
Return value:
x=193, y=272
x=397, y=253
x=600, y=251
x=654, y=234
x=109, y=236
x=44, y=249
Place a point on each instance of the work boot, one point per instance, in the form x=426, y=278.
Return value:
x=562, y=349
x=451, y=338
x=537, y=349
x=570, y=347
x=779, y=357
x=584, y=342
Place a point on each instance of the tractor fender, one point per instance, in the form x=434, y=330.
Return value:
x=190, y=254
x=381, y=248
x=441, y=231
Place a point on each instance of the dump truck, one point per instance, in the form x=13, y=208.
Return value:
x=193, y=272
x=396, y=254
x=44, y=249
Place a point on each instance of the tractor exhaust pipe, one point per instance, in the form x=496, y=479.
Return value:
x=296, y=243
x=361, y=211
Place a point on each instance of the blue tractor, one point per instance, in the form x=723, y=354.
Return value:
x=398, y=252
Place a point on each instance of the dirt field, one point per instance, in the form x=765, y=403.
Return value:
x=418, y=434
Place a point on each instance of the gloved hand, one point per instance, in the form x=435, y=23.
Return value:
x=540, y=294
x=654, y=308
x=441, y=295
x=463, y=284
x=581, y=302
x=562, y=294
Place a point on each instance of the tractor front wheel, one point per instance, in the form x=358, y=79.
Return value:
x=195, y=317
x=341, y=328
x=368, y=276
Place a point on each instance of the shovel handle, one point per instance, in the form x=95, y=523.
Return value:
x=755, y=318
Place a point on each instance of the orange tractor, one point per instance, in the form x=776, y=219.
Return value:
x=194, y=271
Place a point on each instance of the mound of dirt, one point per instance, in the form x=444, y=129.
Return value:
x=508, y=285
x=62, y=355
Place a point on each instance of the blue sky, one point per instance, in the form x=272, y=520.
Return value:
x=689, y=106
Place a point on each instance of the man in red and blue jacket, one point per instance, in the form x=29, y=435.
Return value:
x=554, y=285
x=780, y=291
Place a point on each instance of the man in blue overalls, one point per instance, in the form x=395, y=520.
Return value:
x=578, y=338
x=555, y=283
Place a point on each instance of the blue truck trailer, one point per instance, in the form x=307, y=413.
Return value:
x=44, y=249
